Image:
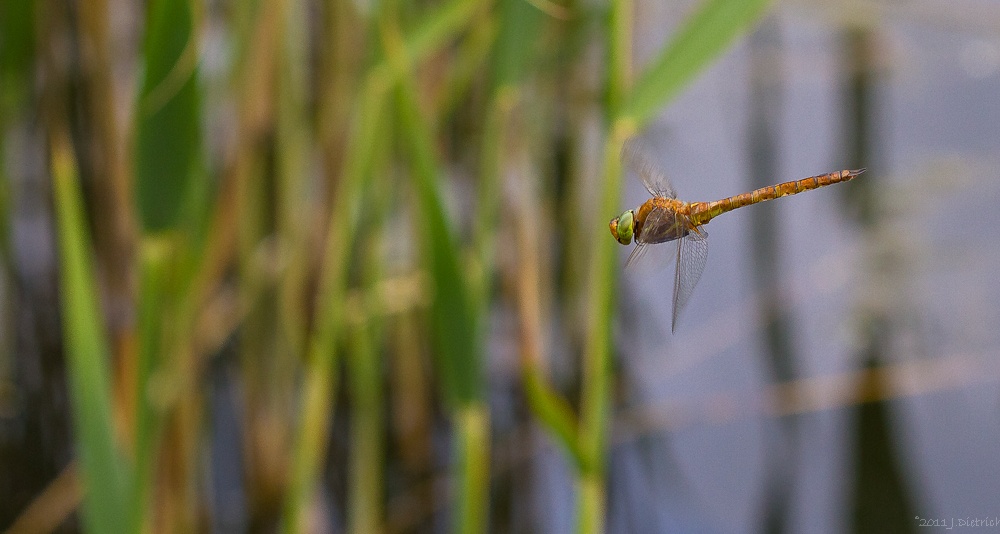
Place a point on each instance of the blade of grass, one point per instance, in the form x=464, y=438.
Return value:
x=452, y=314
x=702, y=37
x=454, y=323
x=105, y=475
x=168, y=132
x=171, y=195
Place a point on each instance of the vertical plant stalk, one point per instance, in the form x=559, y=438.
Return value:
x=154, y=290
x=699, y=40
x=116, y=229
x=167, y=161
x=881, y=501
x=293, y=142
x=367, y=433
x=453, y=312
x=594, y=404
x=619, y=53
x=596, y=358
x=472, y=428
x=459, y=358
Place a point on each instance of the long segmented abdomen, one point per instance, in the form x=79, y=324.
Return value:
x=702, y=212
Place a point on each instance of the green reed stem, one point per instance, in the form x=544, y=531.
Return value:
x=154, y=288
x=455, y=326
x=619, y=53
x=595, y=402
x=293, y=142
x=596, y=359
x=699, y=40
x=367, y=434
x=472, y=439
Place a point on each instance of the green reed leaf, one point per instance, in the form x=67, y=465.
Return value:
x=168, y=133
x=701, y=38
x=105, y=474
x=452, y=314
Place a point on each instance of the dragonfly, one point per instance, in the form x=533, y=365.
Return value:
x=663, y=218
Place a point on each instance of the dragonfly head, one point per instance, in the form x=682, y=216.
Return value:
x=622, y=226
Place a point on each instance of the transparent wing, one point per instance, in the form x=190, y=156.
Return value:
x=635, y=258
x=692, y=253
x=649, y=259
x=635, y=157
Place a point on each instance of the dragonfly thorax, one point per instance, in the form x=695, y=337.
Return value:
x=659, y=220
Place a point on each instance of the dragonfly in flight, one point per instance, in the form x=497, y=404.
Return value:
x=664, y=218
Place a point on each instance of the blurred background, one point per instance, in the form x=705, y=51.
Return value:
x=326, y=266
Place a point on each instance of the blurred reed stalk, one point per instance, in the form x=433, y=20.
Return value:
x=881, y=500
x=115, y=233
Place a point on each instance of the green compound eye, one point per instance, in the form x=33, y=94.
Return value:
x=621, y=227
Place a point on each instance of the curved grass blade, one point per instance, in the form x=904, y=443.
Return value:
x=453, y=317
x=168, y=133
x=105, y=475
x=703, y=36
